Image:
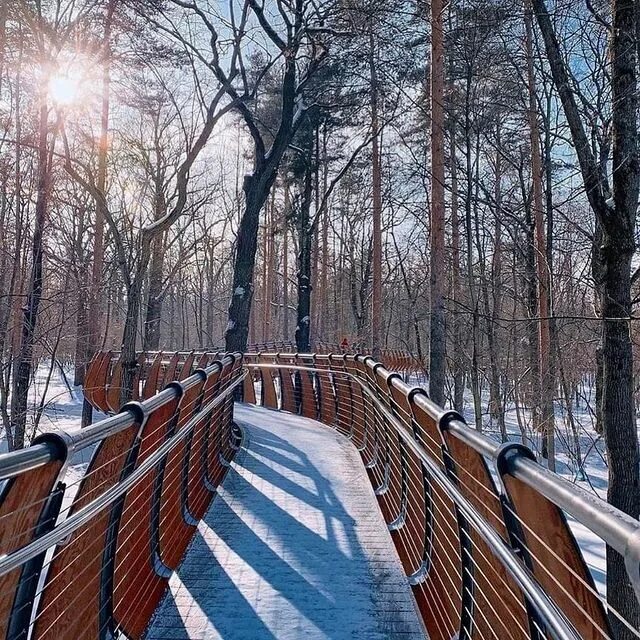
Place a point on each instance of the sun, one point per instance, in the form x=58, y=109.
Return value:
x=64, y=88
x=71, y=80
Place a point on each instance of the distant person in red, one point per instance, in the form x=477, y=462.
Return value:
x=344, y=345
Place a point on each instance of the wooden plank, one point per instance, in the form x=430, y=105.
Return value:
x=142, y=359
x=306, y=390
x=326, y=392
x=248, y=390
x=99, y=395
x=114, y=387
x=415, y=535
x=71, y=605
x=344, y=406
x=556, y=560
x=357, y=409
x=500, y=604
x=153, y=377
x=439, y=596
x=175, y=532
x=212, y=386
x=91, y=376
x=287, y=389
x=137, y=588
x=198, y=496
x=170, y=373
x=389, y=452
x=269, y=398
x=27, y=509
x=371, y=451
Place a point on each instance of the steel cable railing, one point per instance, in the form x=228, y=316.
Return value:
x=461, y=586
x=101, y=564
x=479, y=527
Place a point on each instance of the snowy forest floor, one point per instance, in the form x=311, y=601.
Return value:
x=62, y=410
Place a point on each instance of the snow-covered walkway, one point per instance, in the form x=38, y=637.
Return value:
x=292, y=547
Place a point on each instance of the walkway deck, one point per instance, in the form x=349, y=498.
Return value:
x=293, y=546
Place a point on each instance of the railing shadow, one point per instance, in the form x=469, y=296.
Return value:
x=278, y=538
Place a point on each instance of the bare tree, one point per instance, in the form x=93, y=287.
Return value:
x=614, y=202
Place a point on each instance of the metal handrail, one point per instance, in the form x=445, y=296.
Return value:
x=62, y=531
x=39, y=454
x=549, y=613
x=616, y=528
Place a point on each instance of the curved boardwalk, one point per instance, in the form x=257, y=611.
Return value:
x=292, y=547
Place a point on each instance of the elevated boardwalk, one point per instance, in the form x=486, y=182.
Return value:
x=293, y=546
x=354, y=507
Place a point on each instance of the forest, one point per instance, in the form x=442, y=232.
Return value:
x=457, y=180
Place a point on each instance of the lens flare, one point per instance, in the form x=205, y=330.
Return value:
x=64, y=89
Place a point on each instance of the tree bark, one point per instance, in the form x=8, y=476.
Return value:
x=285, y=264
x=256, y=191
x=437, y=351
x=376, y=213
x=24, y=365
x=305, y=235
x=456, y=281
x=546, y=386
x=152, y=328
x=616, y=212
x=95, y=298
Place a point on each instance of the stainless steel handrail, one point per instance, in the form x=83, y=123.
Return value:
x=616, y=528
x=14, y=463
x=62, y=531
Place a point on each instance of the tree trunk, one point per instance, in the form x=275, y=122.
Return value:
x=24, y=366
x=324, y=282
x=531, y=292
x=305, y=235
x=458, y=348
x=95, y=297
x=152, y=328
x=83, y=330
x=547, y=387
x=271, y=267
x=130, y=331
x=376, y=213
x=256, y=190
x=437, y=350
x=96, y=294
x=620, y=423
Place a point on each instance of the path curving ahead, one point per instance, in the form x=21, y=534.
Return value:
x=293, y=547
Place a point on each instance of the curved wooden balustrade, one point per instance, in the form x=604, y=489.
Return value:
x=459, y=584
x=478, y=527
x=109, y=573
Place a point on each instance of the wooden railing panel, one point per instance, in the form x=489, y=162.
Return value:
x=306, y=389
x=500, y=608
x=287, y=388
x=555, y=558
x=175, y=532
x=152, y=380
x=72, y=603
x=29, y=505
x=137, y=586
x=439, y=595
